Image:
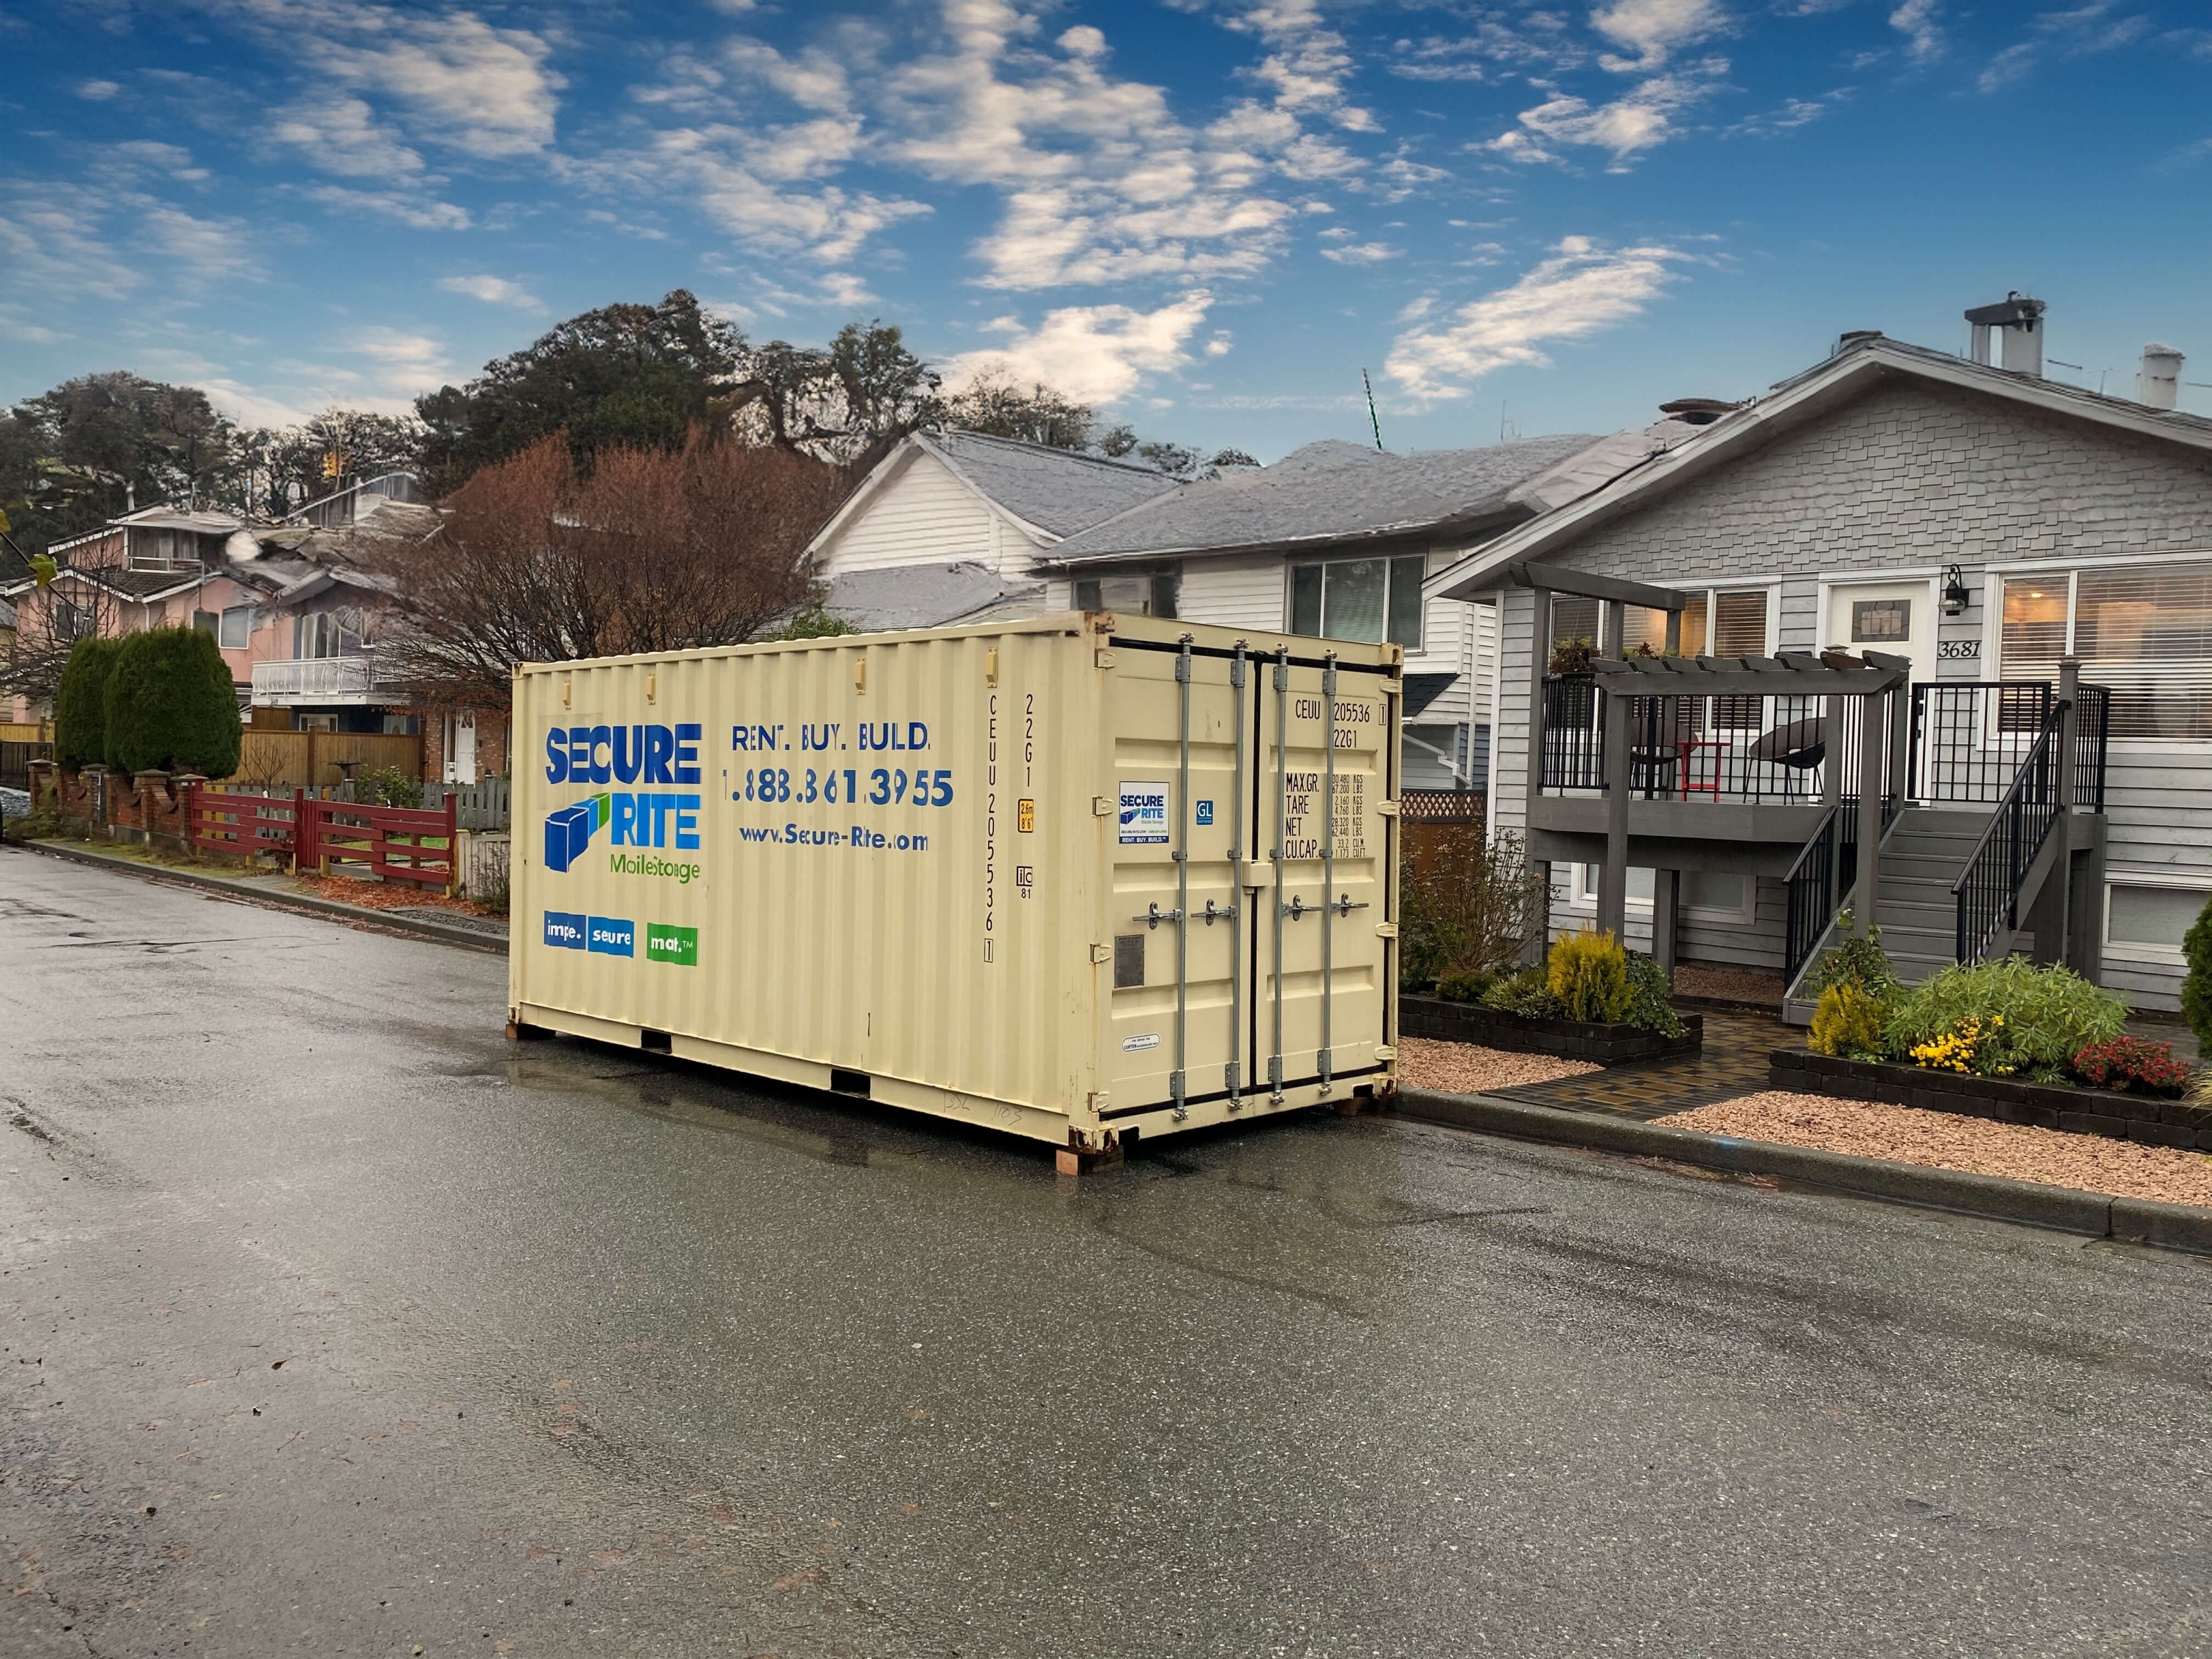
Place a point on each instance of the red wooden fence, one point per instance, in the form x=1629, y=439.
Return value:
x=391, y=843
x=242, y=826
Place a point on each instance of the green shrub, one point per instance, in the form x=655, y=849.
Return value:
x=172, y=706
x=1651, y=1005
x=1586, y=973
x=1524, y=993
x=2196, y=985
x=386, y=785
x=1847, y=1021
x=1856, y=959
x=2037, y=1019
x=80, y=704
x=1469, y=904
x=1464, y=987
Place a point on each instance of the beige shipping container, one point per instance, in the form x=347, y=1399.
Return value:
x=1075, y=877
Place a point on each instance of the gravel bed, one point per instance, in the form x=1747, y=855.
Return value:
x=1904, y=1134
x=1468, y=1068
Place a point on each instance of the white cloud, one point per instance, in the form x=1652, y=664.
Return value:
x=451, y=78
x=1308, y=65
x=1580, y=291
x=1641, y=120
x=1654, y=30
x=335, y=132
x=98, y=91
x=493, y=290
x=2082, y=31
x=405, y=363
x=51, y=242
x=2011, y=65
x=1101, y=182
x=1495, y=46
x=420, y=213
x=1361, y=254
x=1095, y=354
x=198, y=251
x=1918, y=21
x=1793, y=113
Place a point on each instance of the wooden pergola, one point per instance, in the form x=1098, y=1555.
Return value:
x=1830, y=675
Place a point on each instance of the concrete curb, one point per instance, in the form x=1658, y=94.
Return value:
x=301, y=903
x=2138, y=1221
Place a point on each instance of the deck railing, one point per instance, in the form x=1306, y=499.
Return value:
x=1772, y=747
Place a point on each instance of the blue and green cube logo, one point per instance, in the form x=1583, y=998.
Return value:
x=677, y=946
x=568, y=832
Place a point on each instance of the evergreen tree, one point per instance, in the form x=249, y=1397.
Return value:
x=80, y=703
x=172, y=705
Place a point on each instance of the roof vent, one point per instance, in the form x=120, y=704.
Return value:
x=2158, y=382
x=2021, y=320
x=1697, y=411
x=1851, y=336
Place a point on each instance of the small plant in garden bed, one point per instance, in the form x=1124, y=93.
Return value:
x=1847, y=1021
x=1587, y=977
x=1465, y=987
x=2131, y=1063
x=2031, y=1020
x=1969, y=1048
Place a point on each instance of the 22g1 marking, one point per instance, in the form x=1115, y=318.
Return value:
x=888, y=785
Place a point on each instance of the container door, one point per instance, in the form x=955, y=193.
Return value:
x=1327, y=751
x=1179, y=1023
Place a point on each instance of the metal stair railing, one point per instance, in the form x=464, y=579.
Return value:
x=1988, y=890
x=1819, y=884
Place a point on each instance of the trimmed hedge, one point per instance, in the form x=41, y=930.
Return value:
x=172, y=706
x=2197, y=985
x=80, y=703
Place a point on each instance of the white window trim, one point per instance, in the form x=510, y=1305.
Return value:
x=2136, y=950
x=1581, y=896
x=1993, y=626
x=1293, y=564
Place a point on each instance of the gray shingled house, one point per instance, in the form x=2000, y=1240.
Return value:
x=1895, y=567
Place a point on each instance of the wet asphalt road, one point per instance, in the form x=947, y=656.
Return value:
x=334, y=1324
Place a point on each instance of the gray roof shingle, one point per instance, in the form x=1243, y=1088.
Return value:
x=1060, y=491
x=886, y=600
x=1324, y=492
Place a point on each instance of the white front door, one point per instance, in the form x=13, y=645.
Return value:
x=464, y=750
x=1897, y=619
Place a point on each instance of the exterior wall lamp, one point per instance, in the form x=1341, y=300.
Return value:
x=1954, y=591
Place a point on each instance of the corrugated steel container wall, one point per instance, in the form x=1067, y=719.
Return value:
x=959, y=954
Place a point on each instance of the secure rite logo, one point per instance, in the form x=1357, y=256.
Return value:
x=641, y=817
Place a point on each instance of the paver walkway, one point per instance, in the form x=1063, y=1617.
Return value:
x=1732, y=1062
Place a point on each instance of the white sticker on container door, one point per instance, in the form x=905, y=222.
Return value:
x=1144, y=814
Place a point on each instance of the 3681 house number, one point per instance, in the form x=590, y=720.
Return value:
x=1958, y=650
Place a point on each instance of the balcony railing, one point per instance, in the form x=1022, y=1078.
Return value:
x=314, y=679
x=1967, y=741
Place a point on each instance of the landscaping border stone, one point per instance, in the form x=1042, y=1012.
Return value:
x=1996, y=1198
x=2147, y=1119
x=1568, y=1039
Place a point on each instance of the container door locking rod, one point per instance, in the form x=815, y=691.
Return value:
x=1232, y=1075
x=1282, y=815
x=1177, y=1084
x=1327, y=857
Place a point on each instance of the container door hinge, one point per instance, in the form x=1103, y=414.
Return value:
x=1389, y=809
x=1386, y=930
x=1386, y=1053
x=1105, y=659
x=1102, y=953
x=1101, y=806
x=1098, y=1101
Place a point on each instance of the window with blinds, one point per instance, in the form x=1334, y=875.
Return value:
x=2143, y=631
x=1740, y=624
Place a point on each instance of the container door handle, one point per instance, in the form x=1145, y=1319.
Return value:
x=1178, y=1084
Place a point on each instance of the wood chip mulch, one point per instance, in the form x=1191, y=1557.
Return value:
x=1944, y=1141
x=1467, y=1068
x=385, y=895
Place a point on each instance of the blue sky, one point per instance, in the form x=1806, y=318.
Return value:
x=1207, y=218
